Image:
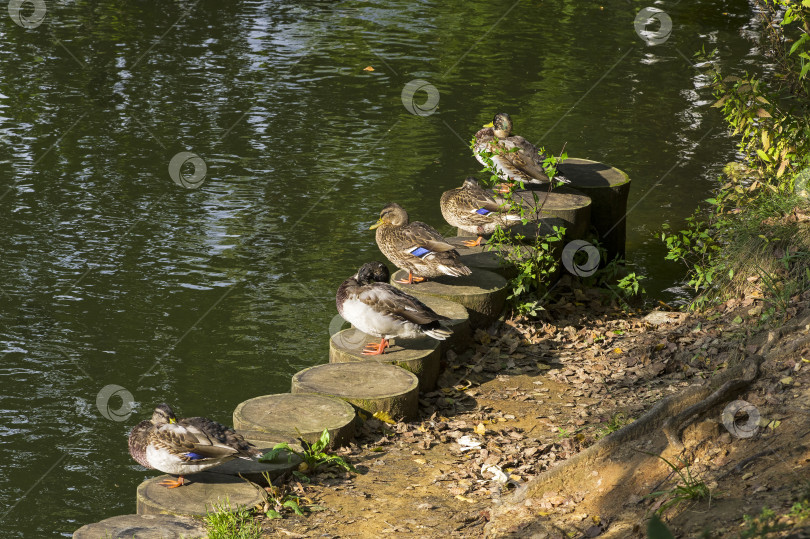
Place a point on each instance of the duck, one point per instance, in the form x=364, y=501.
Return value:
x=185, y=446
x=416, y=247
x=514, y=158
x=381, y=310
x=473, y=209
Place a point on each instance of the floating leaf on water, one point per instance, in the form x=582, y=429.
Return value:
x=368, y=68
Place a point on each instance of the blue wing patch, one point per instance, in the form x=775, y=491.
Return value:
x=483, y=211
x=194, y=456
x=421, y=252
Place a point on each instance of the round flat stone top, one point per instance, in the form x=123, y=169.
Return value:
x=585, y=174
x=451, y=309
x=560, y=199
x=477, y=283
x=353, y=341
x=203, y=492
x=286, y=412
x=361, y=380
x=143, y=527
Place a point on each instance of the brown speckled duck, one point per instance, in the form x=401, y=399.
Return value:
x=185, y=446
x=515, y=159
x=376, y=308
x=416, y=247
x=475, y=210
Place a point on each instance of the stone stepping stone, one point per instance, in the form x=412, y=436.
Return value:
x=369, y=386
x=571, y=206
x=255, y=471
x=201, y=493
x=143, y=527
x=278, y=418
x=420, y=356
x=608, y=189
x=459, y=322
x=483, y=293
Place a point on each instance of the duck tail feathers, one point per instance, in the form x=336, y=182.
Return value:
x=438, y=333
x=455, y=271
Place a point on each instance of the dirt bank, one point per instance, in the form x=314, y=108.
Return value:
x=530, y=396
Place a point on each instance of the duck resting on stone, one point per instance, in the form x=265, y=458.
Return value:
x=185, y=446
x=475, y=210
x=416, y=247
x=376, y=308
x=515, y=159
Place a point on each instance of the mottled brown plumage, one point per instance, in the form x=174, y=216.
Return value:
x=475, y=210
x=514, y=158
x=416, y=247
x=185, y=446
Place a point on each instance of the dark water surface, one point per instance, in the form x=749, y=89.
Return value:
x=113, y=274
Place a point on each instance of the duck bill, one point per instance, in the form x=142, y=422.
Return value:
x=488, y=125
x=375, y=225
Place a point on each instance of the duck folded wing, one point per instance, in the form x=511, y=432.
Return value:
x=222, y=436
x=191, y=443
x=523, y=155
x=426, y=236
x=391, y=301
x=480, y=201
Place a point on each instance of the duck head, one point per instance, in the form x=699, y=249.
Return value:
x=502, y=125
x=163, y=414
x=373, y=272
x=470, y=183
x=392, y=214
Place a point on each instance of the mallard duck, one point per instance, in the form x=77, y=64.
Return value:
x=185, y=446
x=475, y=210
x=515, y=158
x=416, y=247
x=376, y=308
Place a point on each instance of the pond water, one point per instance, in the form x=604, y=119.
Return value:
x=115, y=280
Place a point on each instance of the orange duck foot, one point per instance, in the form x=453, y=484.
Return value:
x=503, y=187
x=375, y=349
x=476, y=243
x=170, y=483
x=411, y=279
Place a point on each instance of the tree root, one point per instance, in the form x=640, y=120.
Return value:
x=674, y=425
x=692, y=400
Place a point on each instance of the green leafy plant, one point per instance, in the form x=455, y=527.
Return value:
x=688, y=488
x=771, y=116
x=536, y=258
x=280, y=500
x=223, y=522
x=616, y=421
x=762, y=525
x=313, y=455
